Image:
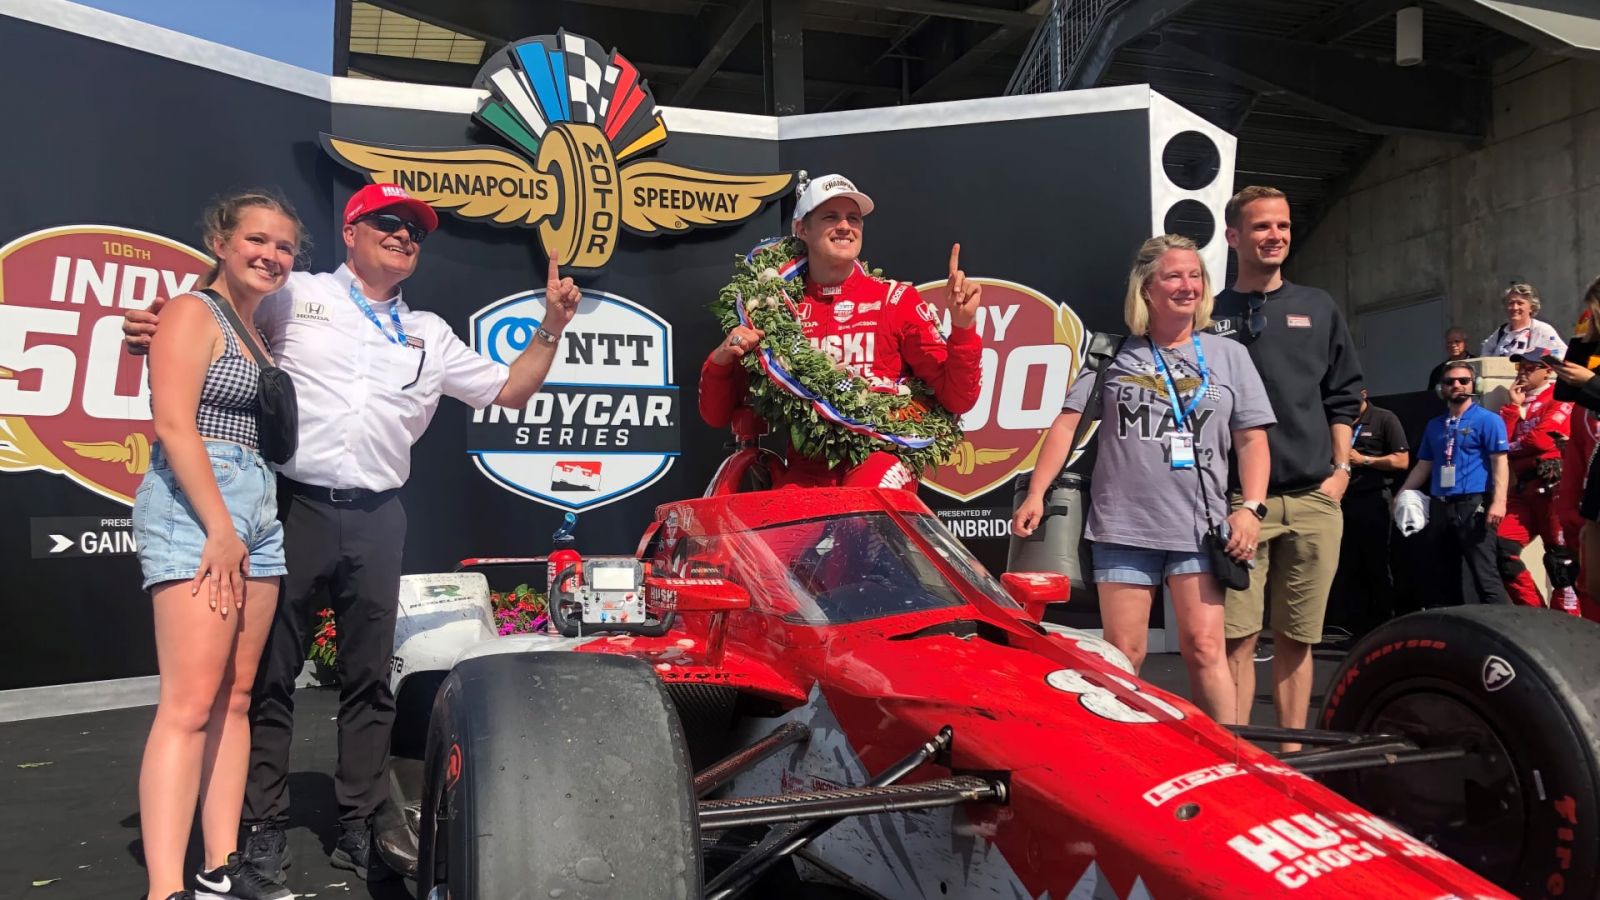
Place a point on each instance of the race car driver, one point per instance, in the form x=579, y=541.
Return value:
x=1537, y=424
x=881, y=330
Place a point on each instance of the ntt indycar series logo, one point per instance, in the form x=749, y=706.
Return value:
x=72, y=403
x=605, y=424
x=576, y=117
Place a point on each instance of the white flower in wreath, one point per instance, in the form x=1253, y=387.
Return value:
x=769, y=274
x=903, y=390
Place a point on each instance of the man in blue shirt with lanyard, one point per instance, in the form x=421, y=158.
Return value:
x=1462, y=457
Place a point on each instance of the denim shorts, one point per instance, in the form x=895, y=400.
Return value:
x=169, y=533
x=1122, y=564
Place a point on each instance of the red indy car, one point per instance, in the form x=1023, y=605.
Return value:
x=820, y=693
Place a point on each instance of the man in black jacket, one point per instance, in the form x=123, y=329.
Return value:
x=1302, y=348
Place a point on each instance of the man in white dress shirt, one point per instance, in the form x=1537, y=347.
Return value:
x=368, y=372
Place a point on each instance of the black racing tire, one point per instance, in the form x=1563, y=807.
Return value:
x=1520, y=688
x=557, y=775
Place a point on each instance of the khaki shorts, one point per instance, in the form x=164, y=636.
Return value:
x=1296, y=559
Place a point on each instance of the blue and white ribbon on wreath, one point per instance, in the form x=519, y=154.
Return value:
x=783, y=378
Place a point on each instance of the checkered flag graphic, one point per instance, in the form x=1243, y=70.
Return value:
x=609, y=90
x=586, y=63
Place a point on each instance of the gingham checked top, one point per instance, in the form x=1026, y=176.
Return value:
x=227, y=410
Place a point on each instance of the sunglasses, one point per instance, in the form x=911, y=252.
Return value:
x=1467, y=380
x=1258, y=317
x=389, y=224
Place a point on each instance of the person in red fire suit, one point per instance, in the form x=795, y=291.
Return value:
x=1537, y=425
x=881, y=330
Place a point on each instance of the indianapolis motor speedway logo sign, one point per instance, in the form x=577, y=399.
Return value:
x=577, y=118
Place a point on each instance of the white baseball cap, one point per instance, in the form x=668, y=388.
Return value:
x=825, y=188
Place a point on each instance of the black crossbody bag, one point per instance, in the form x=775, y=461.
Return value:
x=1229, y=572
x=277, y=411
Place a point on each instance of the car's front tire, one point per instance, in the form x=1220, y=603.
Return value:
x=557, y=775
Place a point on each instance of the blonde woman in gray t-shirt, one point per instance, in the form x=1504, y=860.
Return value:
x=1175, y=402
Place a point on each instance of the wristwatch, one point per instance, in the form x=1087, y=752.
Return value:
x=547, y=336
x=1259, y=510
x=1344, y=466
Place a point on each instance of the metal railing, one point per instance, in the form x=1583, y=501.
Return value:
x=1058, y=44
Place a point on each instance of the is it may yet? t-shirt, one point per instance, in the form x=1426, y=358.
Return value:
x=1136, y=496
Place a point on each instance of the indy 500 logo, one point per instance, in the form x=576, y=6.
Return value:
x=1032, y=351
x=71, y=401
x=606, y=423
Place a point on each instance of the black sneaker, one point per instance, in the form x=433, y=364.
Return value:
x=238, y=880
x=354, y=853
x=266, y=848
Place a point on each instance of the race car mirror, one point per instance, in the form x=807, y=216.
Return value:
x=664, y=596
x=1036, y=590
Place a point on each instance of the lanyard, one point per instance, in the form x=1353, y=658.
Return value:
x=1355, y=433
x=1450, y=426
x=399, y=336
x=1181, y=415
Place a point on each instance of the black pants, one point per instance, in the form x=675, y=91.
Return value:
x=347, y=556
x=1464, y=548
x=1363, y=590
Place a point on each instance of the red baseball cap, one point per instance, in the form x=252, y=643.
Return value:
x=381, y=196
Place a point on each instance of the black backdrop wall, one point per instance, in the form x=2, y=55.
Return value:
x=1054, y=193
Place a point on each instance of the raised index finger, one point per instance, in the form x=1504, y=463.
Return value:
x=955, y=259
x=555, y=268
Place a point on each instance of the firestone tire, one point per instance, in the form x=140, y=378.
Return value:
x=557, y=775
x=1520, y=688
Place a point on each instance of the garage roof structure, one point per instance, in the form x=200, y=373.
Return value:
x=1311, y=87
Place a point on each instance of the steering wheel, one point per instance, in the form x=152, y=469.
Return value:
x=566, y=612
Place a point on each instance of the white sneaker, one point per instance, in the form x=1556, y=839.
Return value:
x=238, y=880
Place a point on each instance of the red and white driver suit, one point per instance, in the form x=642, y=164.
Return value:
x=1538, y=431
x=882, y=331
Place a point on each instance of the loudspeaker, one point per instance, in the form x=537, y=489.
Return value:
x=1187, y=191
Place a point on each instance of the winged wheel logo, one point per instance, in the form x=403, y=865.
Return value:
x=576, y=118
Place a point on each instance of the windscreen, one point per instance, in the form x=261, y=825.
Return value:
x=836, y=569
